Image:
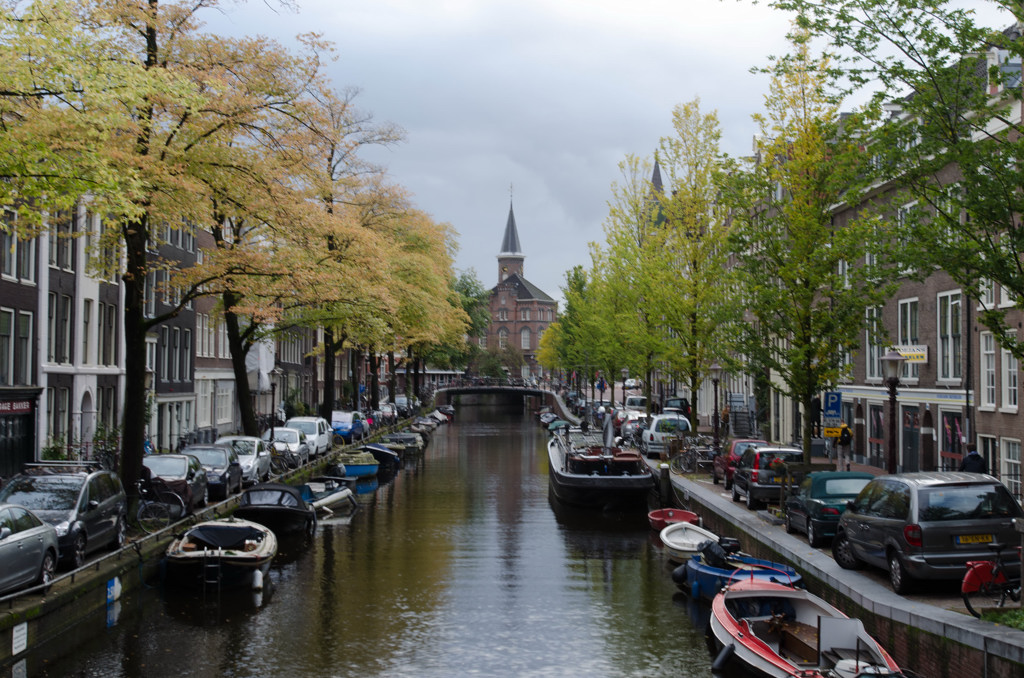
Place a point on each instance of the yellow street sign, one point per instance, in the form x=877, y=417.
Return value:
x=832, y=432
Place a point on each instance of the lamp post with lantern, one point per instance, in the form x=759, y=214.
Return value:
x=716, y=373
x=625, y=376
x=892, y=364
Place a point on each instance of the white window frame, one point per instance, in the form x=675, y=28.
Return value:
x=987, y=345
x=949, y=336
x=1010, y=465
x=873, y=352
x=1009, y=390
x=909, y=315
x=525, y=339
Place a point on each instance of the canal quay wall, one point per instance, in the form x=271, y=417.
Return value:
x=28, y=620
x=931, y=641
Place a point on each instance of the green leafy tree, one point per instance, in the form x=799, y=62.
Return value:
x=807, y=303
x=953, y=148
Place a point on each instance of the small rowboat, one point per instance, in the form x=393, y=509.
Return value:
x=682, y=541
x=662, y=518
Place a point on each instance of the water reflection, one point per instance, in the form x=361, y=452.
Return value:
x=460, y=564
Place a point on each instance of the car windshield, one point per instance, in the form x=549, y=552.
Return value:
x=43, y=493
x=670, y=425
x=241, y=447
x=282, y=435
x=967, y=502
x=837, y=487
x=209, y=456
x=166, y=467
x=766, y=459
x=307, y=427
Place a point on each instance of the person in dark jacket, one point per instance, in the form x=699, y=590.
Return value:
x=973, y=462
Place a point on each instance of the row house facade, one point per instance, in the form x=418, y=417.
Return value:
x=958, y=386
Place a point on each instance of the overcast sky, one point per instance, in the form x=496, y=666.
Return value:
x=545, y=96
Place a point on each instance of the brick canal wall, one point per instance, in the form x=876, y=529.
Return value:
x=931, y=641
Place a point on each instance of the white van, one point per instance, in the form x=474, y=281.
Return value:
x=317, y=430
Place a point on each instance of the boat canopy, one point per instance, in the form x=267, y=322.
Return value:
x=273, y=494
x=225, y=535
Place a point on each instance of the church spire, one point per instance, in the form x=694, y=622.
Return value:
x=510, y=258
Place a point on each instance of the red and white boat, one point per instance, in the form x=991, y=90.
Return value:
x=775, y=630
x=663, y=517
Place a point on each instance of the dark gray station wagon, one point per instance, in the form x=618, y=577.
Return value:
x=927, y=525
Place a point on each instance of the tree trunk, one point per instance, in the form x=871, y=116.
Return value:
x=243, y=396
x=353, y=364
x=392, y=377
x=374, y=380
x=327, y=404
x=135, y=328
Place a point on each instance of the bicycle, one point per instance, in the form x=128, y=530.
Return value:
x=159, y=505
x=987, y=584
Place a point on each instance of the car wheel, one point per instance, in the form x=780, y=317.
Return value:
x=842, y=552
x=752, y=503
x=813, y=538
x=205, y=500
x=789, y=524
x=728, y=482
x=120, y=531
x=735, y=493
x=898, y=576
x=714, y=476
x=77, y=556
x=47, y=568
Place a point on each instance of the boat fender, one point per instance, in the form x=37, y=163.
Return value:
x=695, y=589
x=724, y=655
x=679, y=575
x=257, y=580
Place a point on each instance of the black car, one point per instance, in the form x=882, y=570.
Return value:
x=814, y=507
x=223, y=469
x=761, y=474
x=86, y=504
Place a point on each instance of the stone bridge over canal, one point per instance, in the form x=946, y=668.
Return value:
x=531, y=396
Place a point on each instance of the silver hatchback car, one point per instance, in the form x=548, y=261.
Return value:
x=927, y=525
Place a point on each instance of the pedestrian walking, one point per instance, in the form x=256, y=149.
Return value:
x=845, y=443
x=973, y=462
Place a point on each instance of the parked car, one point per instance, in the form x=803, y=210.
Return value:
x=637, y=403
x=815, y=506
x=927, y=525
x=404, y=406
x=318, y=433
x=223, y=469
x=28, y=549
x=678, y=404
x=725, y=463
x=348, y=426
x=86, y=504
x=183, y=474
x=389, y=413
x=758, y=474
x=662, y=428
x=253, y=455
x=292, y=441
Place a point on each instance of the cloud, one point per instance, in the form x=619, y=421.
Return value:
x=544, y=95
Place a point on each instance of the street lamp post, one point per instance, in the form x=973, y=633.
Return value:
x=276, y=373
x=625, y=376
x=716, y=374
x=892, y=363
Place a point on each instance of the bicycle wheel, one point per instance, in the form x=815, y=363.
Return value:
x=278, y=465
x=154, y=516
x=984, y=596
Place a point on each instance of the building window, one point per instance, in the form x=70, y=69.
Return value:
x=64, y=330
x=1010, y=380
x=164, y=356
x=873, y=367
x=176, y=354
x=988, y=370
x=524, y=314
x=908, y=335
x=524, y=339
x=502, y=338
x=1010, y=466
x=949, y=336
x=86, y=330
x=51, y=325
x=186, y=356
x=24, y=351
x=6, y=347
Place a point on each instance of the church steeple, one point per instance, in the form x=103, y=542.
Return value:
x=510, y=258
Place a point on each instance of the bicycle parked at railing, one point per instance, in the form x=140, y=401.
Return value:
x=988, y=584
x=159, y=505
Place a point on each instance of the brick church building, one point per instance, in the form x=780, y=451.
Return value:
x=520, y=311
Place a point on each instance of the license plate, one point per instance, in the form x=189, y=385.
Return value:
x=777, y=480
x=973, y=538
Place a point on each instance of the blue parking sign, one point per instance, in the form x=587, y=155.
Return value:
x=833, y=405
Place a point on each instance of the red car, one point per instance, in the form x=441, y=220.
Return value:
x=725, y=463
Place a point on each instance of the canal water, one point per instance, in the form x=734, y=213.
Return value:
x=461, y=565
